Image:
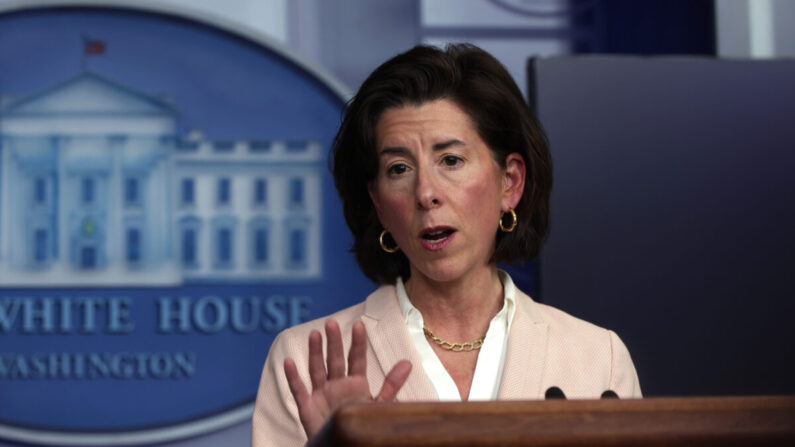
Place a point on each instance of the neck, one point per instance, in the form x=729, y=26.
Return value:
x=461, y=309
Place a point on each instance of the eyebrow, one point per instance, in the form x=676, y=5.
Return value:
x=445, y=144
x=399, y=150
x=436, y=147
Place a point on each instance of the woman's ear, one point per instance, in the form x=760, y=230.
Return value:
x=513, y=180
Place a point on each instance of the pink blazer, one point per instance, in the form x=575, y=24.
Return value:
x=546, y=348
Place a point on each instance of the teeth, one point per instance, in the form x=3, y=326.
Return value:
x=437, y=236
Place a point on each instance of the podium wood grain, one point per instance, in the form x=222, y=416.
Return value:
x=719, y=421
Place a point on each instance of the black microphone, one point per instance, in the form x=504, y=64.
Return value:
x=554, y=392
x=609, y=394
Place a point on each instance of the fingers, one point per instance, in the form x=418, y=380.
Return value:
x=303, y=400
x=297, y=388
x=357, y=356
x=394, y=381
x=336, y=353
x=317, y=366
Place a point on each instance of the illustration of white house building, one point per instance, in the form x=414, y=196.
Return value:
x=96, y=188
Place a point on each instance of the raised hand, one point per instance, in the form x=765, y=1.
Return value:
x=334, y=388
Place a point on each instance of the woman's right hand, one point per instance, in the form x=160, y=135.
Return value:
x=332, y=387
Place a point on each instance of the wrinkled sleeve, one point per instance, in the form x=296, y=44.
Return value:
x=275, y=420
x=623, y=377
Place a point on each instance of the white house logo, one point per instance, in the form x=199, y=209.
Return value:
x=98, y=190
x=146, y=264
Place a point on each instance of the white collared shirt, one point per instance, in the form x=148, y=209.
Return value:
x=491, y=359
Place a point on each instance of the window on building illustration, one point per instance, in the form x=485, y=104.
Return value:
x=296, y=146
x=261, y=245
x=40, y=245
x=260, y=191
x=40, y=191
x=131, y=191
x=87, y=190
x=224, y=248
x=133, y=245
x=224, y=146
x=296, y=191
x=259, y=242
x=224, y=191
x=187, y=193
x=297, y=246
x=88, y=257
x=223, y=242
x=189, y=241
x=187, y=146
x=189, y=247
x=259, y=146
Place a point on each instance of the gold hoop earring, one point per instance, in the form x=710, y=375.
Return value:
x=383, y=245
x=513, y=222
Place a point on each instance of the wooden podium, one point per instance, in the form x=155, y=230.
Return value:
x=718, y=421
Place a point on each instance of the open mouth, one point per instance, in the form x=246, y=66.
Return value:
x=437, y=235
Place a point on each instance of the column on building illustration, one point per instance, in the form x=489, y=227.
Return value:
x=30, y=174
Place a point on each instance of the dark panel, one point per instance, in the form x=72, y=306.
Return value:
x=648, y=27
x=672, y=215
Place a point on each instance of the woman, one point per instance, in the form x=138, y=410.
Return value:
x=443, y=172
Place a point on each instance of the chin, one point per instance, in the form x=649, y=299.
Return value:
x=440, y=271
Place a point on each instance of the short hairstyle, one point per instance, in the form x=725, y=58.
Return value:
x=475, y=81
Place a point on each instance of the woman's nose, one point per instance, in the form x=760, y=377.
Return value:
x=427, y=191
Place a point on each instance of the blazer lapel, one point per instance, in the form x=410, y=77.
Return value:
x=526, y=353
x=391, y=343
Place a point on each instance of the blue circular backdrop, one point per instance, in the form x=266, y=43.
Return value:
x=232, y=88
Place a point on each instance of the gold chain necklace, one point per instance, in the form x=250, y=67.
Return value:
x=455, y=347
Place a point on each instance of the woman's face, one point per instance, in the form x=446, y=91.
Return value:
x=438, y=190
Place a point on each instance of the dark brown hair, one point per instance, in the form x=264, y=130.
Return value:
x=481, y=86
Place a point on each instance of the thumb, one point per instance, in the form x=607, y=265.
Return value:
x=394, y=381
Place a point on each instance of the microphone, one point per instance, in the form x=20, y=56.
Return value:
x=554, y=392
x=609, y=394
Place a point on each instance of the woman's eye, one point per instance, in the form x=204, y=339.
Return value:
x=397, y=169
x=451, y=160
